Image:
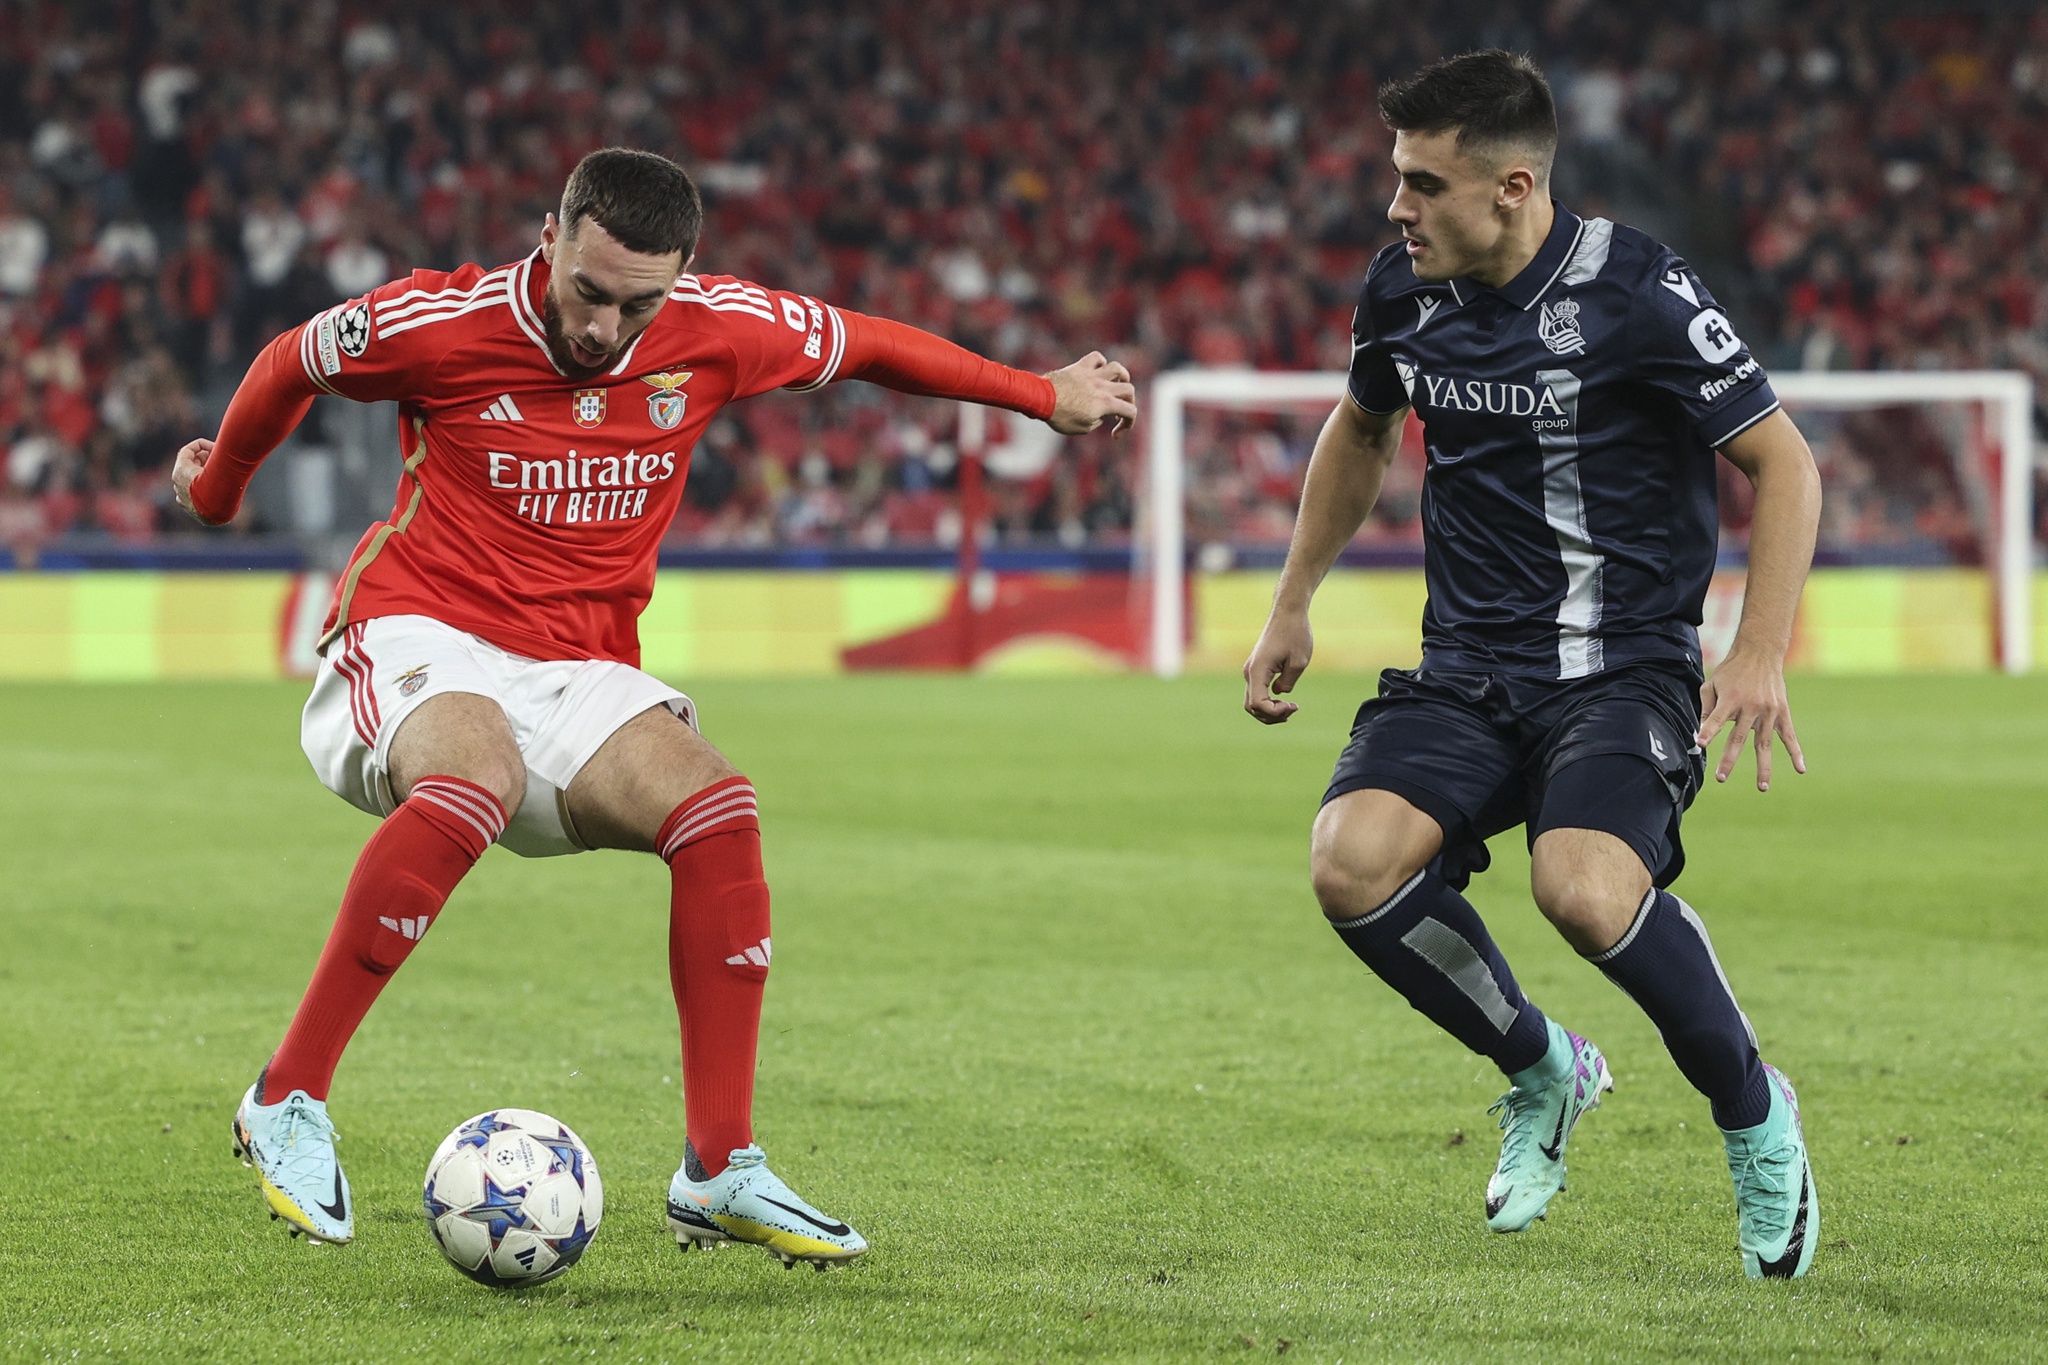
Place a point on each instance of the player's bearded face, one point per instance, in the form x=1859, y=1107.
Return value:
x=579, y=359
x=600, y=296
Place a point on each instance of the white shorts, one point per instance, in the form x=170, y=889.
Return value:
x=561, y=712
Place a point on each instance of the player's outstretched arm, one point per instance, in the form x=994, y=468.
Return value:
x=1074, y=400
x=209, y=477
x=1748, y=690
x=1344, y=476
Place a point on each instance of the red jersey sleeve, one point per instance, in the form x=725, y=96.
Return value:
x=379, y=347
x=373, y=348
x=795, y=342
x=779, y=340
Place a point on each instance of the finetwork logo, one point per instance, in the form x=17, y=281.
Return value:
x=1714, y=388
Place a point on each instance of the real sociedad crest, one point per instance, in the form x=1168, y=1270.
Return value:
x=666, y=404
x=589, y=407
x=1558, y=325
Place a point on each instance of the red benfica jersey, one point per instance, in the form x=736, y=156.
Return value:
x=533, y=505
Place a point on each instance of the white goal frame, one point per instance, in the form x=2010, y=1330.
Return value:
x=1159, y=551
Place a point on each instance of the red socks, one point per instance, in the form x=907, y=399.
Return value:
x=718, y=941
x=402, y=878
x=717, y=959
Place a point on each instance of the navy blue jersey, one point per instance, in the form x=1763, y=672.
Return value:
x=1571, y=418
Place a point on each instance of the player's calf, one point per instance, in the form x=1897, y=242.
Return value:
x=402, y=878
x=1427, y=942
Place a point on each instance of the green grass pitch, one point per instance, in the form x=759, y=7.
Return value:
x=1053, y=1020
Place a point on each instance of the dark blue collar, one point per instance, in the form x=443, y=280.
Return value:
x=1536, y=277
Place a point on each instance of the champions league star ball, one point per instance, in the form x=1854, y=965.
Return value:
x=513, y=1198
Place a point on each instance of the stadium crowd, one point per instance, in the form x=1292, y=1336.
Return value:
x=1176, y=183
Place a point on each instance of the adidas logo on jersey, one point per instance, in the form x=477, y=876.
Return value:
x=504, y=410
x=756, y=956
x=409, y=927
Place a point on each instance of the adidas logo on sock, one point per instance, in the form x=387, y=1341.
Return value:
x=410, y=927
x=756, y=956
x=504, y=410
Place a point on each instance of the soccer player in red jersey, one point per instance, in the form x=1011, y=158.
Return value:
x=479, y=678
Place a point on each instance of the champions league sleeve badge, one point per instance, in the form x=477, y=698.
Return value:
x=666, y=404
x=352, y=330
x=589, y=407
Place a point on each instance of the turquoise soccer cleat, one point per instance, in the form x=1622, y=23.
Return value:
x=1536, y=1121
x=291, y=1145
x=747, y=1202
x=1777, y=1208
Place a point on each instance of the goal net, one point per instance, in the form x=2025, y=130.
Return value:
x=1920, y=470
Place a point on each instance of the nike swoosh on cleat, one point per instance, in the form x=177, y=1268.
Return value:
x=822, y=1224
x=1556, y=1144
x=338, y=1210
x=1494, y=1206
x=1784, y=1267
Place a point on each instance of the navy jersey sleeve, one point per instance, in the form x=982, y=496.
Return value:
x=1683, y=345
x=1375, y=384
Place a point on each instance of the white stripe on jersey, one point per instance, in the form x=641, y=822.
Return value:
x=414, y=300
x=633, y=346
x=832, y=360
x=445, y=314
x=727, y=305
x=522, y=310
x=696, y=283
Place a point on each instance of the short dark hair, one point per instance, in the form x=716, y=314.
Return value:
x=1493, y=98
x=647, y=202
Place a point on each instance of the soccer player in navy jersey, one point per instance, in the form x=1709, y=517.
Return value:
x=1574, y=380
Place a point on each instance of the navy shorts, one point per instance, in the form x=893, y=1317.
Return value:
x=1480, y=753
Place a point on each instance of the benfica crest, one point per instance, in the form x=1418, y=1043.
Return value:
x=589, y=407
x=665, y=405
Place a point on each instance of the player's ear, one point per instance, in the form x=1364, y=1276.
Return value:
x=550, y=233
x=1516, y=187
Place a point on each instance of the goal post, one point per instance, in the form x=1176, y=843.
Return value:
x=2004, y=474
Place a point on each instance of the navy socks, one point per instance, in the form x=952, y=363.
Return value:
x=1428, y=943
x=1666, y=964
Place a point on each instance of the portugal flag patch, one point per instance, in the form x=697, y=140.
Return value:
x=589, y=407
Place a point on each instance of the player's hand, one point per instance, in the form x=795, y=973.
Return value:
x=1276, y=664
x=1089, y=392
x=191, y=459
x=1748, y=693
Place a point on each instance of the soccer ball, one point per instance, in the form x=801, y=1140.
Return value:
x=513, y=1197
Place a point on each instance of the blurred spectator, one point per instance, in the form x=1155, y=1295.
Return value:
x=1179, y=183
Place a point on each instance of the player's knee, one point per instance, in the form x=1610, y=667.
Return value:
x=1590, y=911
x=1351, y=878
x=1365, y=847
x=502, y=773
